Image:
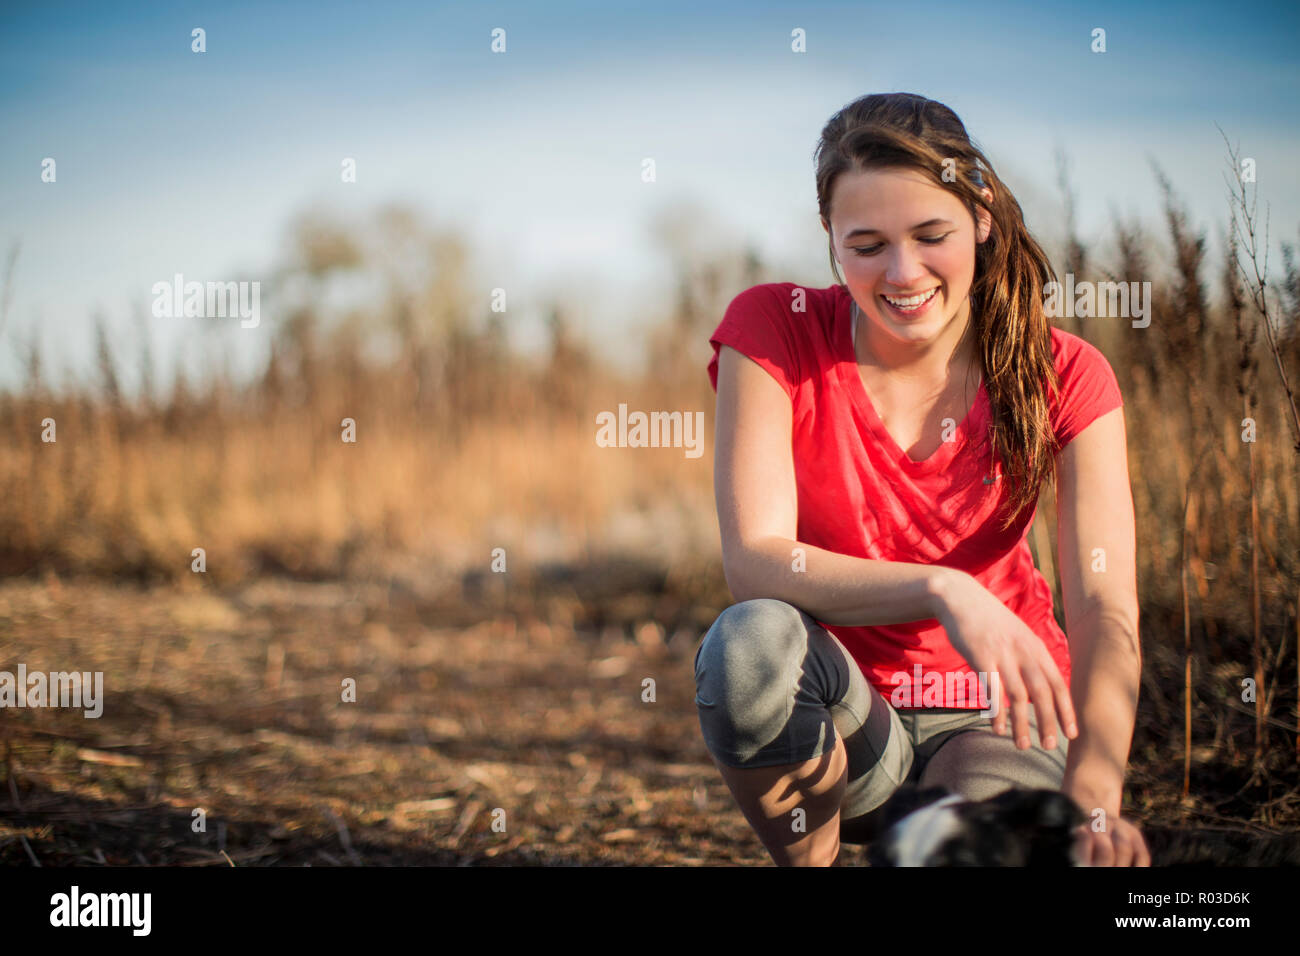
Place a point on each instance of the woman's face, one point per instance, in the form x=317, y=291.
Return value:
x=895, y=234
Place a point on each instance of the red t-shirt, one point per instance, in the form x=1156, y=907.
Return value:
x=860, y=494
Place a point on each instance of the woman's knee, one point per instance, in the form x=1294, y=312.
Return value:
x=747, y=675
x=753, y=641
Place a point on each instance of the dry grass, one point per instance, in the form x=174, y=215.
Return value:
x=464, y=447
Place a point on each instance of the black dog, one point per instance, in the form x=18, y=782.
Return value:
x=933, y=827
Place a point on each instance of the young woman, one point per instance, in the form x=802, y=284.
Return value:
x=881, y=444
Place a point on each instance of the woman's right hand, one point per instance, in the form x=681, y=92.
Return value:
x=995, y=641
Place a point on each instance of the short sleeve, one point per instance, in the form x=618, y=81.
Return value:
x=1088, y=389
x=759, y=324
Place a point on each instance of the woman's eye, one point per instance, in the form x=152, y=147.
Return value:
x=928, y=240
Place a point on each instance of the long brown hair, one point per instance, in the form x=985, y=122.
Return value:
x=1012, y=333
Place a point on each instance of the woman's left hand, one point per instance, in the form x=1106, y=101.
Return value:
x=1120, y=844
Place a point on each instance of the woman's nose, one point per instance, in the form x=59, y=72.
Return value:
x=904, y=271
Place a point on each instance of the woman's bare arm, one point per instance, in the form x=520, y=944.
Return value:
x=1096, y=546
x=758, y=513
x=1095, y=543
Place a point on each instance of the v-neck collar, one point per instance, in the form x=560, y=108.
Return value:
x=851, y=381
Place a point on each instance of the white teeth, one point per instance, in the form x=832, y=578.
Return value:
x=913, y=301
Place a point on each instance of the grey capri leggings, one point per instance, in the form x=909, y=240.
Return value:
x=775, y=687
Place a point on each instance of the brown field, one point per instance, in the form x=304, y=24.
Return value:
x=522, y=692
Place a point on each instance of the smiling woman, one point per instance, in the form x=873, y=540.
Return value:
x=881, y=444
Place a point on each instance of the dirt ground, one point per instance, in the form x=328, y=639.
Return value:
x=495, y=723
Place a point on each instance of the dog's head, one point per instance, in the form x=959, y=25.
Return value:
x=933, y=827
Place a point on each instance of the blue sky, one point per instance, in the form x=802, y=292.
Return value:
x=171, y=161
